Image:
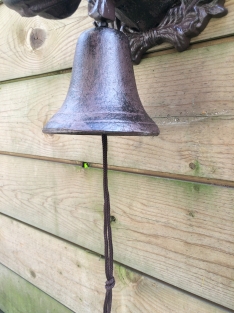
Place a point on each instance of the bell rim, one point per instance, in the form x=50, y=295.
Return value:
x=52, y=131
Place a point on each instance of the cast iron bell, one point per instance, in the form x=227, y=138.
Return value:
x=103, y=100
x=102, y=97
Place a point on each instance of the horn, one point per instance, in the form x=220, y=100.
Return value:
x=102, y=97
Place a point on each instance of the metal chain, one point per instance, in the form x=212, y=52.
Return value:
x=110, y=283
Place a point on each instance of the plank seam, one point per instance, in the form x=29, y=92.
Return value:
x=172, y=176
x=34, y=286
x=54, y=73
x=196, y=45
x=150, y=54
x=116, y=262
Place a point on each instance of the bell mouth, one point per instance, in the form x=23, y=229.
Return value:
x=113, y=123
x=98, y=133
x=103, y=128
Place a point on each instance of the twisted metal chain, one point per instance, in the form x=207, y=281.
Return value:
x=110, y=283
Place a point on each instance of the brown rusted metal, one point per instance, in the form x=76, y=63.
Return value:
x=179, y=24
x=50, y=9
x=103, y=97
x=102, y=10
x=103, y=100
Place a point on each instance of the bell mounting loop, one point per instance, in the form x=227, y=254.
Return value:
x=102, y=11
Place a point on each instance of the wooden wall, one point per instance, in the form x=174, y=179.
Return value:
x=172, y=196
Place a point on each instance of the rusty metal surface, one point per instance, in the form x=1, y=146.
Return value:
x=181, y=23
x=143, y=14
x=50, y=9
x=102, y=10
x=102, y=97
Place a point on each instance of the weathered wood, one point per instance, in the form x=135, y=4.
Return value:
x=20, y=57
x=195, y=83
x=75, y=277
x=193, y=179
x=196, y=123
x=193, y=149
x=19, y=296
x=178, y=232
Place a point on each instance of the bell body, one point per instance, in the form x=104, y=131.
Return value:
x=102, y=97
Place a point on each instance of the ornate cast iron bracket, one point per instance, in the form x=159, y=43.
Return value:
x=180, y=24
x=146, y=23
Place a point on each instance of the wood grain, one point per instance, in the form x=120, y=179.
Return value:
x=19, y=296
x=179, y=232
x=196, y=122
x=77, y=276
x=197, y=148
x=196, y=83
x=19, y=58
x=18, y=55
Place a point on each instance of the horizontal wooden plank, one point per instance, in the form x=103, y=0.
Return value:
x=192, y=104
x=196, y=148
x=75, y=276
x=197, y=83
x=19, y=296
x=20, y=56
x=178, y=232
